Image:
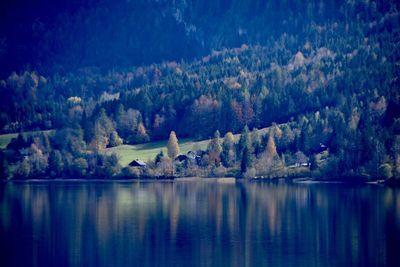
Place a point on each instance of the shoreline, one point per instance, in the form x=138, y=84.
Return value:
x=222, y=180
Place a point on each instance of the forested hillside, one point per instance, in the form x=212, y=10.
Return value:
x=62, y=35
x=325, y=75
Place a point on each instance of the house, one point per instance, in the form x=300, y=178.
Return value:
x=181, y=158
x=320, y=148
x=190, y=157
x=301, y=160
x=303, y=164
x=137, y=163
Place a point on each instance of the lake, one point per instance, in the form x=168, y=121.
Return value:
x=198, y=223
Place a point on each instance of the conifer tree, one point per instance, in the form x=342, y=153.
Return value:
x=159, y=157
x=247, y=160
x=244, y=141
x=56, y=163
x=245, y=150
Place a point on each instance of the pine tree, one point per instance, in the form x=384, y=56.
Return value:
x=244, y=141
x=256, y=142
x=172, y=145
x=247, y=160
x=56, y=163
x=159, y=157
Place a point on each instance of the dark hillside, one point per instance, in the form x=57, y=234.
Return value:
x=60, y=36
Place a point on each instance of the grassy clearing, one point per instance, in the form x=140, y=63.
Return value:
x=5, y=139
x=148, y=151
x=127, y=153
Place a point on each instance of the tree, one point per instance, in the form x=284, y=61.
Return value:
x=115, y=140
x=202, y=116
x=4, y=167
x=269, y=162
x=397, y=167
x=256, y=141
x=44, y=142
x=17, y=143
x=245, y=150
x=386, y=171
x=228, y=150
x=172, y=145
x=24, y=169
x=165, y=167
x=100, y=139
x=214, y=149
x=80, y=167
x=106, y=166
x=142, y=135
x=244, y=141
x=56, y=163
x=103, y=131
x=271, y=147
x=247, y=160
x=38, y=160
x=159, y=157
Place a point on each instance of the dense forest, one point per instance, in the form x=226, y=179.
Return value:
x=322, y=75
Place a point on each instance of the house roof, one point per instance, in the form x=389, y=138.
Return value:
x=137, y=163
x=181, y=157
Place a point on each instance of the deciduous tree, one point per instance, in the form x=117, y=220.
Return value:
x=214, y=149
x=172, y=145
x=228, y=150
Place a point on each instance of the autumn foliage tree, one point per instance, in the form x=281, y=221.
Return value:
x=228, y=150
x=172, y=145
x=214, y=149
x=269, y=163
x=142, y=133
x=271, y=147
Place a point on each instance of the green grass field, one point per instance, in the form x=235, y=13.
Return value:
x=5, y=139
x=144, y=152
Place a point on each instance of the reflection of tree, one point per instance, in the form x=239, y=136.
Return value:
x=234, y=223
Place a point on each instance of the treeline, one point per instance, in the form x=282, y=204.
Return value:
x=322, y=145
x=63, y=154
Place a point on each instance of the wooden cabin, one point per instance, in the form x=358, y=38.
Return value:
x=137, y=163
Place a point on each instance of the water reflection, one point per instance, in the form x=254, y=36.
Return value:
x=198, y=223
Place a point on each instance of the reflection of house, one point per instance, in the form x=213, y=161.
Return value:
x=137, y=163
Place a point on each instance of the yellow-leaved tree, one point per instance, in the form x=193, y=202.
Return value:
x=172, y=145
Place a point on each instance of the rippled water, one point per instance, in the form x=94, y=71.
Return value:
x=198, y=223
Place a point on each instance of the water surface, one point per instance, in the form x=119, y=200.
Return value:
x=198, y=223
